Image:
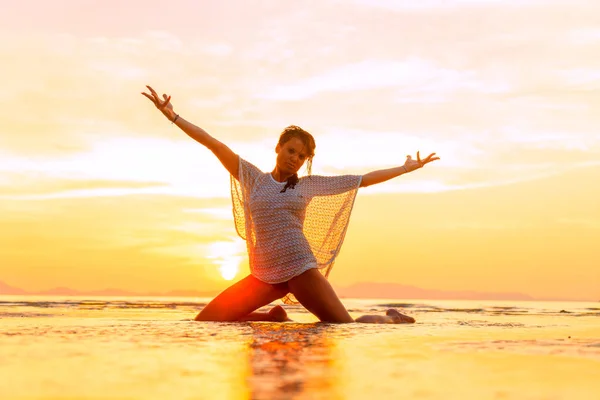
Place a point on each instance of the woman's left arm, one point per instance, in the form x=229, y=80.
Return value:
x=383, y=175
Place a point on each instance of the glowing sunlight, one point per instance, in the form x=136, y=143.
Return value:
x=227, y=256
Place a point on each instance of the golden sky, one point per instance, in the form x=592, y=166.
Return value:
x=98, y=190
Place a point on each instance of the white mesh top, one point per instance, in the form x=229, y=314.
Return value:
x=291, y=232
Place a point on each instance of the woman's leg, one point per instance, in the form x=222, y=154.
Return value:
x=237, y=302
x=315, y=293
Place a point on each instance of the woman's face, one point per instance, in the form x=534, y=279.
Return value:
x=291, y=155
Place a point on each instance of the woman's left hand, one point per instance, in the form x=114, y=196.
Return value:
x=411, y=165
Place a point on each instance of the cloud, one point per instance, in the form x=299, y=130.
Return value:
x=159, y=165
x=219, y=49
x=89, y=193
x=585, y=36
x=581, y=222
x=481, y=225
x=104, y=236
x=413, y=74
x=587, y=78
x=32, y=185
x=469, y=159
x=434, y=5
x=481, y=86
x=89, y=87
x=561, y=142
x=217, y=213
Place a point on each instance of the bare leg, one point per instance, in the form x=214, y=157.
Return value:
x=242, y=298
x=315, y=293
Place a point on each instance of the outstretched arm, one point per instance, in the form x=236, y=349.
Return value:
x=228, y=158
x=383, y=175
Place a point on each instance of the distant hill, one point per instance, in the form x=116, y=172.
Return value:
x=397, y=291
x=358, y=290
x=5, y=289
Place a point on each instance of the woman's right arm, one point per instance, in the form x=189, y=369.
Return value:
x=228, y=158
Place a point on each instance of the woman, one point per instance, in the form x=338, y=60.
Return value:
x=293, y=227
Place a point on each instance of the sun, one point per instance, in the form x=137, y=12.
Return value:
x=229, y=268
x=227, y=257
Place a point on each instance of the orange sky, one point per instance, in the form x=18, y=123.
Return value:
x=98, y=190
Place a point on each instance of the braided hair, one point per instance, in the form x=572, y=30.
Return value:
x=309, y=142
x=290, y=183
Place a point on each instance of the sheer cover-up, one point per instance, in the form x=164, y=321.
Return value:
x=291, y=232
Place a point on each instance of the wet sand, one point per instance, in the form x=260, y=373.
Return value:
x=142, y=349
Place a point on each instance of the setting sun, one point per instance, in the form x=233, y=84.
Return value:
x=229, y=268
x=227, y=256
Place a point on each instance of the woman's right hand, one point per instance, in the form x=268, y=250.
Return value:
x=164, y=105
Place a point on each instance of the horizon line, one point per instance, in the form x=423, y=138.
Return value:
x=453, y=295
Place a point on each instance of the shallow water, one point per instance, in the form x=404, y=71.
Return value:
x=146, y=348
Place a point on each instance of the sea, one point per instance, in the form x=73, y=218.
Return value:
x=151, y=348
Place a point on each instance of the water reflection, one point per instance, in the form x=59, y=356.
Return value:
x=287, y=360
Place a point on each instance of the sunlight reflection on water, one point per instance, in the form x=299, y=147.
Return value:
x=153, y=349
